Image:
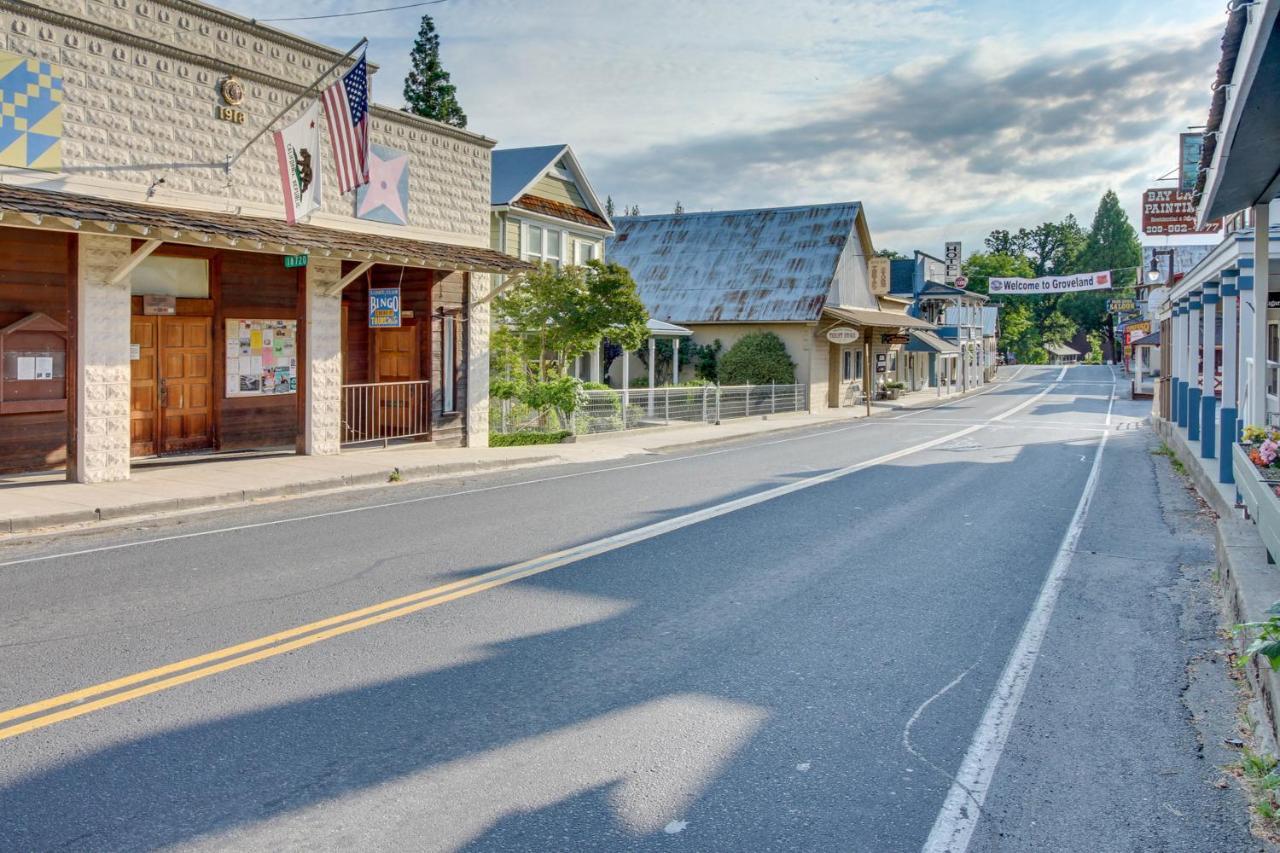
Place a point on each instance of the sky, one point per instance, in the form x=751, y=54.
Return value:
x=945, y=118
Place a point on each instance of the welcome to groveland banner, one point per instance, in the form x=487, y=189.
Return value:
x=1052, y=283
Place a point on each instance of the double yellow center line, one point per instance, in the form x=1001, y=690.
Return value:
x=77, y=703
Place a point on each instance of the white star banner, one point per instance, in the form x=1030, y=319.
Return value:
x=1052, y=283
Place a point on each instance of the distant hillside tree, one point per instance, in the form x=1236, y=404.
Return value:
x=427, y=90
x=608, y=206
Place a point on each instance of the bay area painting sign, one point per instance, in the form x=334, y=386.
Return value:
x=1052, y=283
x=1170, y=211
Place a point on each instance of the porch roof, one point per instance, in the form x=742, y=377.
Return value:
x=869, y=317
x=68, y=211
x=923, y=341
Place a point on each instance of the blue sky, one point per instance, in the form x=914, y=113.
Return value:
x=947, y=118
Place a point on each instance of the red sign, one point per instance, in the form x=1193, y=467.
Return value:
x=1170, y=211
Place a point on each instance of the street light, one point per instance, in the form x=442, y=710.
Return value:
x=1153, y=274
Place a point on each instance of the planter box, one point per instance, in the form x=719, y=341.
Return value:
x=1259, y=499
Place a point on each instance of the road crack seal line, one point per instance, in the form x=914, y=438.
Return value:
x=919, y=712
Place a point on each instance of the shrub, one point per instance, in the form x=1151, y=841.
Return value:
x=521, y=439
x=757, y=359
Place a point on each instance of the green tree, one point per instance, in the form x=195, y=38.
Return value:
x=890, y=254
x=1112, y=244
x=1057, y=328
x=679, y=208
x=556, y=315
x=757, y=359
x=608, y=206
x=427, y=90
x=980, y=267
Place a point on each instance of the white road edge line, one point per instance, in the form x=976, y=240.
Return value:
x=481, y=489
x=953, y=828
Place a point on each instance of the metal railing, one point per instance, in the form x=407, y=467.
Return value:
x=612, y=411
x=382, y=411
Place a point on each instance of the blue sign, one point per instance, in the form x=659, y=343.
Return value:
x=384, y=308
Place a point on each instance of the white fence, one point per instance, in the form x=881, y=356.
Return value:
x=635, y=408
x=382, y=411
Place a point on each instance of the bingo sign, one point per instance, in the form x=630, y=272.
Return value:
x=384, y=308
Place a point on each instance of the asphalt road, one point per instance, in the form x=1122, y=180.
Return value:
x=860, y=637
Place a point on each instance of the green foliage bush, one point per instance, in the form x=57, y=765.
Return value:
x=757, y=359
x=522, y=439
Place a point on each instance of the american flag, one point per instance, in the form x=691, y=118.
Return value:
x=346, y=108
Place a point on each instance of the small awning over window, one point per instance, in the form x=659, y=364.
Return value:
x=1151, y=340
x=871, y=317
x=922, y=341
x=26, y=207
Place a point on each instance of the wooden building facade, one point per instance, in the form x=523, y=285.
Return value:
x=153, y=301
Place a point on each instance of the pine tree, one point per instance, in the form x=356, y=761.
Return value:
x=1113, y=245
x=679, y=208
x=427, y=90
x=608, y=206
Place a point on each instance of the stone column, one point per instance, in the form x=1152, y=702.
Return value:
x=103, y=378
x=1208, y=403
x=1230, y=358
x=1193, y=368
x=478, y=285
x=322, y=430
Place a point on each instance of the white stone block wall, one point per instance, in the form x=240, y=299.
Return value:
x=141, y=78
x=323, y=382
x=103, y=378
x=478, y=362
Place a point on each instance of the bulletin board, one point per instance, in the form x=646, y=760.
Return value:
x=262, y=357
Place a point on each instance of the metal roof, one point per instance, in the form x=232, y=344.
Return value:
x=515, y=168
x=924, y=341
x=738, y=266
x=1061, y=349
x=659, y=329
x=884, y=319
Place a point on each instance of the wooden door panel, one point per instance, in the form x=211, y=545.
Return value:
x=186, y=378
x=144, y=388
x=395, y=360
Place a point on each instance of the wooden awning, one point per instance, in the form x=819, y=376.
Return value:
x=27, y=207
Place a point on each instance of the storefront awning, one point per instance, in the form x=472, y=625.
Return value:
x=27, y=207
x=870, y=317
x=1151, y=340
x=923, y=341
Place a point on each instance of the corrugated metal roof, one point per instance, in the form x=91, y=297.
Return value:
x=739, y=266
x=924, y=341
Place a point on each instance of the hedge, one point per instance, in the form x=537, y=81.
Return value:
x=521, y=439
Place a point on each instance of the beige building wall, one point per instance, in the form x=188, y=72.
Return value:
x=141, y=93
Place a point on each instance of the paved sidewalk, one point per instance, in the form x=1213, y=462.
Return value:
x=37, y=502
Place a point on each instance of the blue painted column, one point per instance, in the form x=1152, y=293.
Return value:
x=1208, y=374
x=1230, y=366
x=1193, y=368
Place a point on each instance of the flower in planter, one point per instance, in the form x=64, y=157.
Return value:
x=1268, y=451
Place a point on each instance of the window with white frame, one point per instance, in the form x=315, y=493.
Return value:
x=542, y=244
x=583, y=252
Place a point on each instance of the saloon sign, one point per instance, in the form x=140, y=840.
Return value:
x=1170, y=211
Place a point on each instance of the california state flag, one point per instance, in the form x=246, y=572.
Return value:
x=298, y=152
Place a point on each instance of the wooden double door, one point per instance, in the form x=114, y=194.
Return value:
x=171, y=410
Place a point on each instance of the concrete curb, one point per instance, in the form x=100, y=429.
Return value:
x=32, y=523
x=1250, y=585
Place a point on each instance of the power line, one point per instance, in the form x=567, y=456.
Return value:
x=350, y=14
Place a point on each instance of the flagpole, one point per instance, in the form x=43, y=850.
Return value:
x=232, y=158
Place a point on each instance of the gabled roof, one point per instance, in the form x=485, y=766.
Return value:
x=738, y=266
x=937, y=288
x=1061, y=349
x=516, y=170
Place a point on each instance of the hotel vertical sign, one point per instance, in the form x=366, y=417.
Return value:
x=952, y=258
